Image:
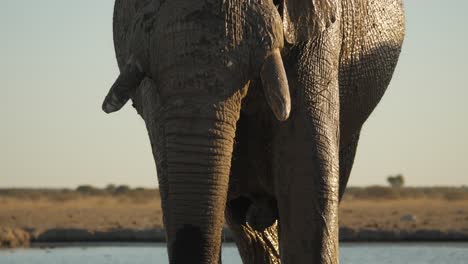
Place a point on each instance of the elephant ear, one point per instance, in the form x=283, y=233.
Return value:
x=304, y=19
x=125, y=12
x=132, y=73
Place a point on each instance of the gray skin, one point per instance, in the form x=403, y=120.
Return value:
x=207, y=78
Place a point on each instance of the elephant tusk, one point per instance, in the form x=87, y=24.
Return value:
x=123, y=88
x=275, y=85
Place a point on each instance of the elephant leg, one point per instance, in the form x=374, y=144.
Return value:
x=347, y=155
x=255, y=247
x=306, y=162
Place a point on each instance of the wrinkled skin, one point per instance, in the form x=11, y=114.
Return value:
x=240, y=132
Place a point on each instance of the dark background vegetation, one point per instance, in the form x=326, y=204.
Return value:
x=144, y=194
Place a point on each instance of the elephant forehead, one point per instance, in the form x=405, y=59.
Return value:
x=187, y=31
x=236, y=22
x=178, y=15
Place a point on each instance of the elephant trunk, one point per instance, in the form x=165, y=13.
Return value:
x=195, y=166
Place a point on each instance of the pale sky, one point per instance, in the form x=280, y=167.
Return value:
x=57, y=63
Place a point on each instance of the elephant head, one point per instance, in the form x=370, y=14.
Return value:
x=187, y=65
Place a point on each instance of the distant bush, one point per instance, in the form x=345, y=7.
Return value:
x=389, y=193
x=87, y=189
x=122, y=189
x=456, y=195
x=382, y=192
x=110, y=188
x=396, y=181
x=36, y=194
x=139, y=195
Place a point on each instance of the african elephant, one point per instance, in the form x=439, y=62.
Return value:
x=254, y=110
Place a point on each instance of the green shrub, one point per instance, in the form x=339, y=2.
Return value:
x=396, y=181
x=122, y=189
x=110, y=188
x=87, y=190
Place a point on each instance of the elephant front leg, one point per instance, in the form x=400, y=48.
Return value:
x=307, y=161
x=307, y=189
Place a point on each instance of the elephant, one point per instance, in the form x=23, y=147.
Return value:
x=254, y=111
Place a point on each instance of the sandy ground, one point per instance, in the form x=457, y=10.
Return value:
x=105, y=213
x=86, y=213
x=396, y=214
x=112, y=213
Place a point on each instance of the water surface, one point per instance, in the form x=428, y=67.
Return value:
x=350, y=253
